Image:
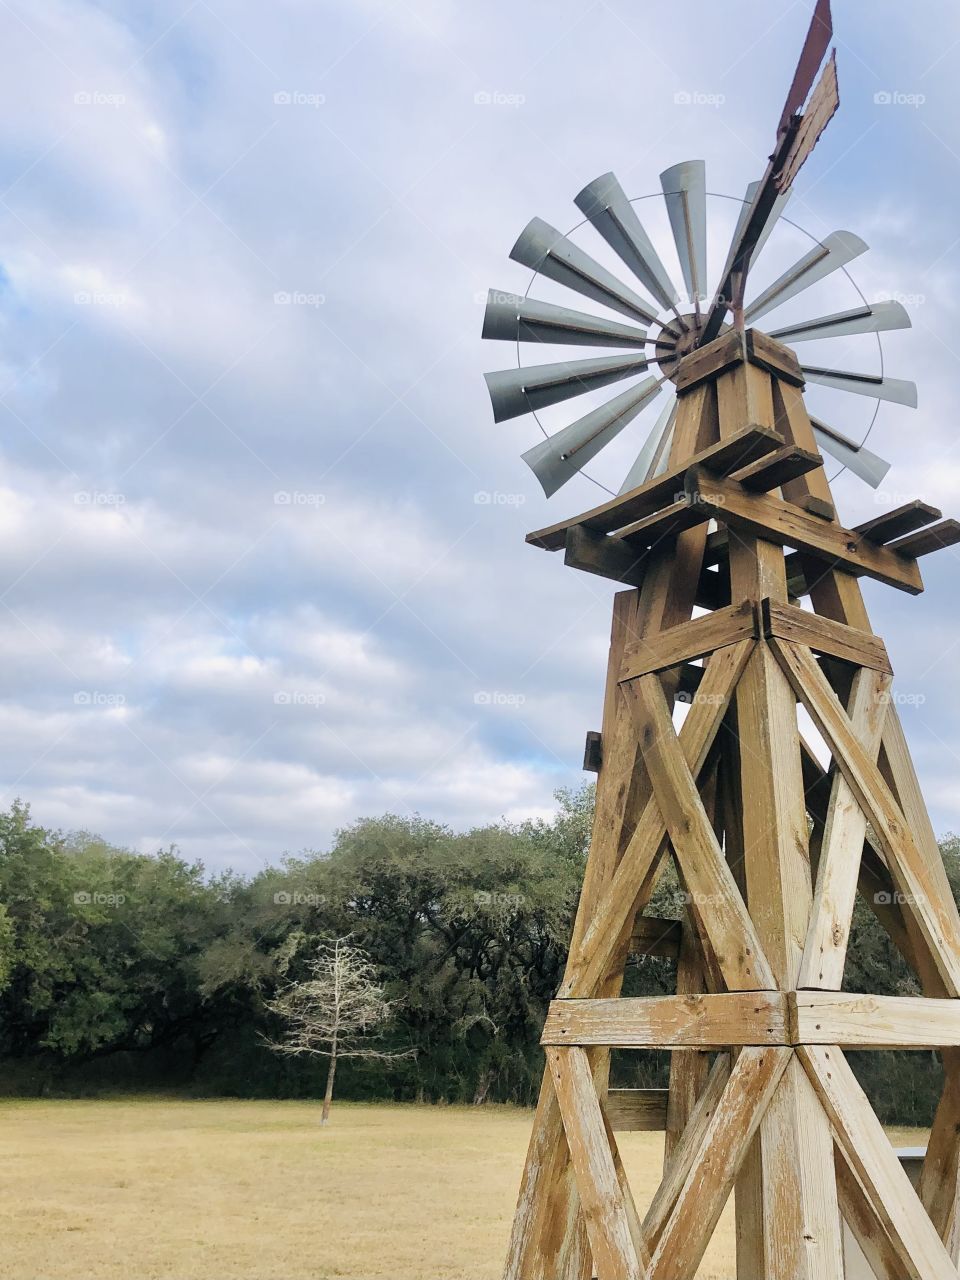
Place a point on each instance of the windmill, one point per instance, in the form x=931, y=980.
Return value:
x=744, y=601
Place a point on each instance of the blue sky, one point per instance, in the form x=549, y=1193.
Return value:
x=249, y=592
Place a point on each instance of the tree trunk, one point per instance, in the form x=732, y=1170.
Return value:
x=328, y=1096
x=483, y=1087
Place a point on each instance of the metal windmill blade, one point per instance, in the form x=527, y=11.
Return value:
x=547, y=251
x=833, y=253
x=656, y=448
x=777, y=209
x=685, y=192
x=517, y=391
x=511, y=318
x=559, y=458
x=877, y=317
x=895, y=390
x=855, y=457
x=605, y=204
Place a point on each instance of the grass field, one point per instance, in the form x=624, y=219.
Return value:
x=183, y=1190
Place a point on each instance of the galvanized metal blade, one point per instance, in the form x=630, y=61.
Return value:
x=839, y=248
x=895, y=390
x=642, y=469
x=544, y=249
x=868, y=466
x=876, y=317
x=778, y=207
x=512, y=318
x=685, y=193
x=605, y=203
x=517, y=391
x=557, y=460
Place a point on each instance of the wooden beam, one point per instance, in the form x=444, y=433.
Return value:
x=690, y=640
x=604, y=556
x=777, y=468
x=678, y=1167
x=860, y=1218
x=926, y=541
x=637, y=1110
x=593, y=752
x=717, y=1161
x=873, y=1022
x=845, y=829
x=738, y=451
x=654, y=937
x=691, y=1022
x=867, y=1149
x=823, y=635
x=615, y=1240
x=785, y=524
x=590, y=957
x=922, y=896
x=717, y=902
x=902, y=520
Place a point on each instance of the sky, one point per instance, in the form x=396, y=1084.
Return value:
x=262, y=560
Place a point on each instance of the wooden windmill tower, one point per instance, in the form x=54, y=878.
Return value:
x=743, y=600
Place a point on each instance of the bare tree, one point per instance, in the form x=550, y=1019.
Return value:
x=330, y=1013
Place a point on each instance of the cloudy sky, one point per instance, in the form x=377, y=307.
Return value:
x=261, y=547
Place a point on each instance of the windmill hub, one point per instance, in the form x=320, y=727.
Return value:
x=679, y=338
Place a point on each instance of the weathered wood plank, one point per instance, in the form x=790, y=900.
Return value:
x=637, y=1110
x=678, y=1167
x=902, y=520
x=604, y=556
x=717, y=1160
x=738, y=451
x=867, y=1149
x=925, y=541
x=655, y=937
x=823, y=635
x=718, y=904
x=922, y=895
x=873, y=1022
x=690, y=640
x=785, y=524
x=590, y=958
x=845, y=829
x=694, y=1022
x=615, y=1241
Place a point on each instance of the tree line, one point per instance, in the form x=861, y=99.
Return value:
x=121, y=970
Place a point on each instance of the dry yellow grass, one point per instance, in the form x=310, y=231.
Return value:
x=180, y=1190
